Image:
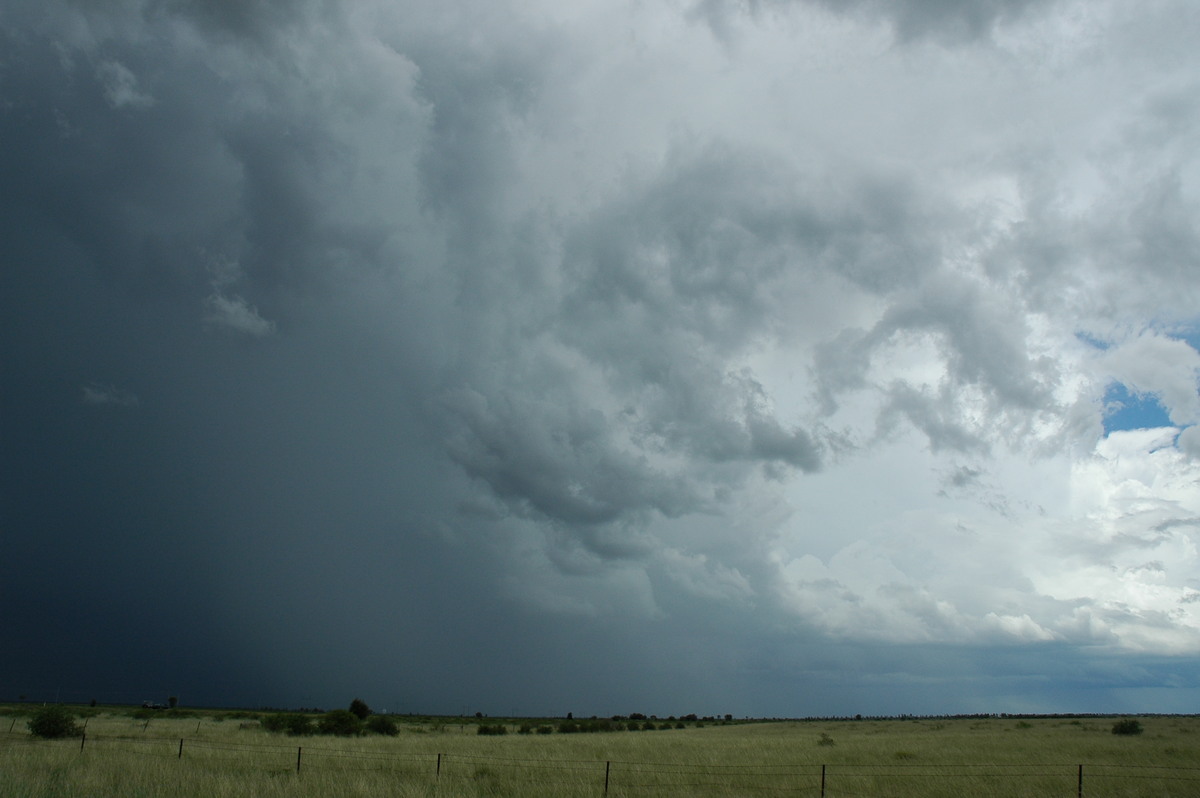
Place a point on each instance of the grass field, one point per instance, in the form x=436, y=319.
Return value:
x=208, y=753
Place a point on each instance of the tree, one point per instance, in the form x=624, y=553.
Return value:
x=359, y=709
x=53, y=722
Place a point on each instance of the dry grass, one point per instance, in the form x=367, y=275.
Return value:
x=992, y=757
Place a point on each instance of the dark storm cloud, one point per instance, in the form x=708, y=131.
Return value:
x=339, y=336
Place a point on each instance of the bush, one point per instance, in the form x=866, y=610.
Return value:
x=299, y=725
x=359, y=709
x=499, y=728
x=341, y=722
x=54, y=721
x=1127, y=726
x=288, y=723
x=275, y=723
x=382, y=724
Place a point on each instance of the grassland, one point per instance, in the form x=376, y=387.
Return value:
x=207, y=753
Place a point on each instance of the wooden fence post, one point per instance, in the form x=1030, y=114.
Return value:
x=180, y=748
x=82, y=740
x=1079, y=793
x=607, y=768
x=438, y=773
x=822, y=781
x=298, y=750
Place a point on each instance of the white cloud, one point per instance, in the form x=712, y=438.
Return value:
x=1151, y=363
x=236, y=314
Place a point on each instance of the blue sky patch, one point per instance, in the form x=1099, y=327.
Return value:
x=1124, y=409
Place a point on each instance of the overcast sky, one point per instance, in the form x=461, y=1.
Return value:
x=776, y=357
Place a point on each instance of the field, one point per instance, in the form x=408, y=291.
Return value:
x=208, y=753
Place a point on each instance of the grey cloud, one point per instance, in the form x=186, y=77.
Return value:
x=936, y=414
x=948, y=19
x=943, y=20
x=248, y=19
x=556, y=460
x=95, y=393
x=121, y=86
x=963, y=476
x=234, y=313
x=599, y=404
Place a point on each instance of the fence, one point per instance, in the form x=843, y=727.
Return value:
x=629, y=778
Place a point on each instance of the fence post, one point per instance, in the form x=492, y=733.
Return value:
x=180, y=748
x=607, y=768
x=82, y=740
x=822, y=781
x=1079, y=793
x=298, y=750
x=438, y=773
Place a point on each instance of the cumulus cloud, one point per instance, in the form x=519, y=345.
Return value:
x=1168, y=368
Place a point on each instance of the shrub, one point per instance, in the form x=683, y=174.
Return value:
x=341, y=722
x=288, y=723
x=1127, y=726
x=53, y=722
x=382, y=724
x=359, y=709
x=825, y=739
x=545, y=729
x=299, y=725
x=499, y=728
x=276, y=722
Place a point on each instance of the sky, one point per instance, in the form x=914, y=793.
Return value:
x=776, y=358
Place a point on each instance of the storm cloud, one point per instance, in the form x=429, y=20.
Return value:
x=742, y=358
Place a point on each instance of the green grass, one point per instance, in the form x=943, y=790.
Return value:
x=225, y=755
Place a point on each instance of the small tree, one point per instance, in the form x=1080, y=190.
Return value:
x=54, y=721
x=172, y=701
x=359, y=709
